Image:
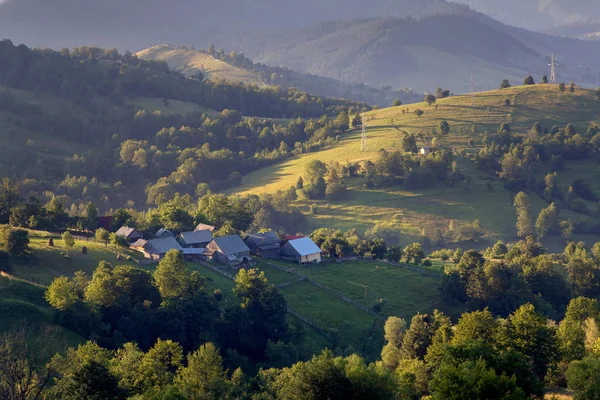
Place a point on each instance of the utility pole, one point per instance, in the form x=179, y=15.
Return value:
x=472, y=91
x=553, y=69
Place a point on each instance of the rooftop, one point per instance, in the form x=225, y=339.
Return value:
x=204, y=227
x=196, y=237
x=124, y=231
x=160, y=246
x=265, y=241
x=304, y=246
x=231, y=244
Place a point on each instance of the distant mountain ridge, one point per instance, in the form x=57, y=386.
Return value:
x=538, y=14
x=441, y=50
x=138, y=24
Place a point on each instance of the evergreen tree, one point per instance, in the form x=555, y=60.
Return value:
x=529, y=81
x=444, y=128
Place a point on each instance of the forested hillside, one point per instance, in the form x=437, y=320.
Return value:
x=92, y=124
x=216, y=64
x=474, y=167
x=137, y=24
x=425, y=53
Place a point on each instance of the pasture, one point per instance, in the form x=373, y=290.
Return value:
x=412, y=211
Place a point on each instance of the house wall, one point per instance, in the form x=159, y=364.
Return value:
x=311, y=258
x=275, y=253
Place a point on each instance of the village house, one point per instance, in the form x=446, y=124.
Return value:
x=303, y=250
x=265, y=245
x=156, y=249
x=425, y=150
x=228, y=250
x=196, y=239
x=131, y=234
x=138, y=245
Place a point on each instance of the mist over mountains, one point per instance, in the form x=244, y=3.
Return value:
x=407, y=43
x=136, y=24
x=539, y=14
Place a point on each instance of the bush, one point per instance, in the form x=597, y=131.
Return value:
x=427, y=263
x=5, y=261
x=335, y=191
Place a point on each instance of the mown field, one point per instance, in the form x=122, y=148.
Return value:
x=411, y=211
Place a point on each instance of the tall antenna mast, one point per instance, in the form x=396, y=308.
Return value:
x=472, y=91
x=553, y=70
x=363, y=141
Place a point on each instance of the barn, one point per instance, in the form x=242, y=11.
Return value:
x=304, y=250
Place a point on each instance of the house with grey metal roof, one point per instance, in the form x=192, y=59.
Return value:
x=195, y=239
x=228, y=250
x=265, y=245
x=304, y=250
x=131, y=234
x=157, y=248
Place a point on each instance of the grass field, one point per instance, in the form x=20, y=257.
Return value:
x=47, y=263
x=411, y=211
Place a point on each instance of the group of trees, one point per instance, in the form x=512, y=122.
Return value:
x=478, y=357
x=411, y=169
x=134, y=148
x=517, y=158
x=334, y=243
x=122, y=304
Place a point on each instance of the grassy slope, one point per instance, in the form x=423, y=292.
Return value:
x=190, y=61
x=411, y=211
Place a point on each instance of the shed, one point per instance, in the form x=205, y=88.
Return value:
x=265, y=245
x=157, y=248
x=229, y=250
x=197, y=239
x=164, y=233
x=204, y=227
x=304, y=250
x=425, y=150
x=193, y=254
x=131, y=234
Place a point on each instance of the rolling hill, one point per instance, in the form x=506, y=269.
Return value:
x=441, y=50
x=238, y=68
x=190, y=62
x=410, y=211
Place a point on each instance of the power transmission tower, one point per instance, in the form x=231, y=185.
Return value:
x=553, y=65
x=363, y=141
x=472, y=91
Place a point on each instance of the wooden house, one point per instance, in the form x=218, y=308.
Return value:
x=228, y=250
x=265, y=245
x=131, y=234
x=196, y=239
x=156, y=249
